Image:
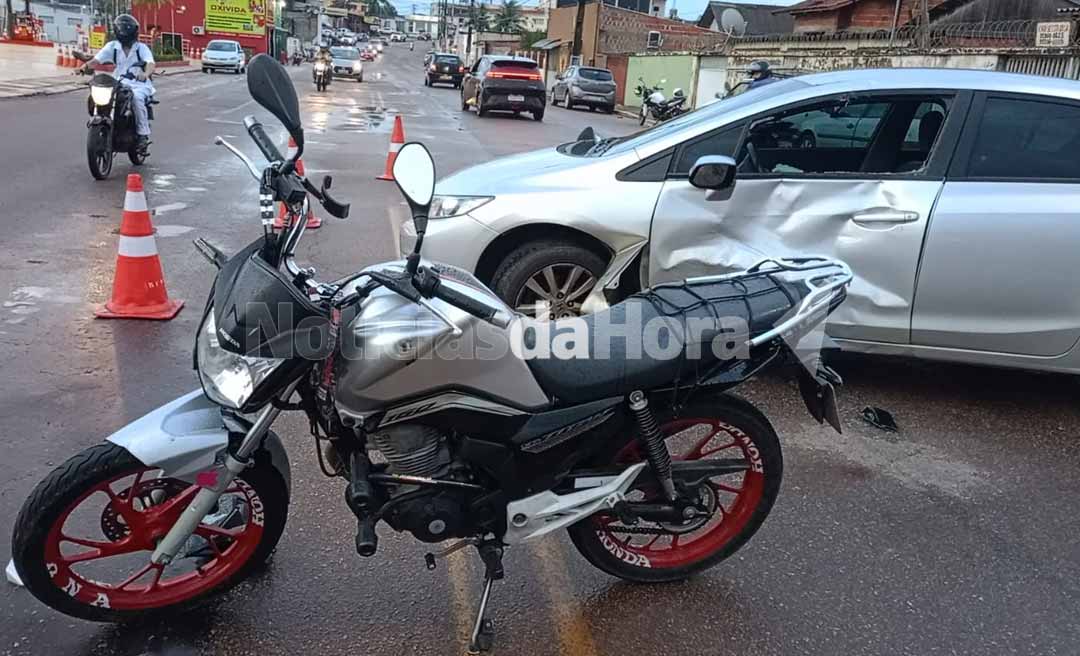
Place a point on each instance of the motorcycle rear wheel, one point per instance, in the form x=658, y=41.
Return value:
x=719, y=424
x=99, y=155
x=63, y=550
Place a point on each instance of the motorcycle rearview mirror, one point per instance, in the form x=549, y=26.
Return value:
x=270, y=86
x=414, y=172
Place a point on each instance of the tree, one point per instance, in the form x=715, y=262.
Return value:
x=508, y=19
x=382, y=9
x=477, y=19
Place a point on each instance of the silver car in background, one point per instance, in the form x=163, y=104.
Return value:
x=585, y=86
x=953, y=195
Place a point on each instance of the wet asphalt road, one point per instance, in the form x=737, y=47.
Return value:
x=957, y=535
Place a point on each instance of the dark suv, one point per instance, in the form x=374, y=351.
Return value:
x=505, y=83
x=441, y=68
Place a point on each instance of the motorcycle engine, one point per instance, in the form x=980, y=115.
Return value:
x=430, y=514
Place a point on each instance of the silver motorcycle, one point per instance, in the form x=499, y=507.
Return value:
x=445, y=414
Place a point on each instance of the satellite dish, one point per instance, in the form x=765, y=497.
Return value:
x=732, y=22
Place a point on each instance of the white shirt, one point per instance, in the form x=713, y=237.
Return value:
x=113, y=53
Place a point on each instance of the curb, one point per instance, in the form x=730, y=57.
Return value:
x=63, y=87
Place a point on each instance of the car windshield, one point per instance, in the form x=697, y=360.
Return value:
x=221, y=45
x=345, y=53
x=708, y=114
x=596, y=74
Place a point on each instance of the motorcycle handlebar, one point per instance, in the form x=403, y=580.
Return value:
x=258, y=135
x=478, y=309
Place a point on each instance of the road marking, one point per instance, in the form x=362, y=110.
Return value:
x=575, y=636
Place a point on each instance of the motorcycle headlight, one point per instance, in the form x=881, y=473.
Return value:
x=320, y=67
x=444, y=207
x=228, y=378
x=101, y=95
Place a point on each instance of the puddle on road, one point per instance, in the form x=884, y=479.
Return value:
x=163, y=179
x=169, y=207
x=365, y=119
x=195, y=189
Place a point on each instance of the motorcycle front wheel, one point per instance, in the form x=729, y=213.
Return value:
x=718, y=426
x=82, y=541
x=99, y=153
x=644, y=115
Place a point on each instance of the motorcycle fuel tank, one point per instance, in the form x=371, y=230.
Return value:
x=396, y=350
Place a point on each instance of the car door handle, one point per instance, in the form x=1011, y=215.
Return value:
x=885, y=216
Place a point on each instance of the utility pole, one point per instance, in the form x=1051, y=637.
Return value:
x=925, y=19
x=468, y=35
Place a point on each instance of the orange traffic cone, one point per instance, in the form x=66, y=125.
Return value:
x=313, y=221
x=397, y=140
x=59, y=55
x=139, y=285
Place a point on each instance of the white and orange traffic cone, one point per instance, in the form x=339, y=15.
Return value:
x=59, y=55
x=139, y=286
x=397, y=140
x=313, y=221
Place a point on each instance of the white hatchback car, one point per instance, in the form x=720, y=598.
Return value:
x=223, y=55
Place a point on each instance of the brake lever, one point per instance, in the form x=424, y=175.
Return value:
x=335, y=208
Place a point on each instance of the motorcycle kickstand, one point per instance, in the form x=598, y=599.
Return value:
x=483, y=633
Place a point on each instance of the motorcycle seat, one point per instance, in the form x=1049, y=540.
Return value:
x=660, y=336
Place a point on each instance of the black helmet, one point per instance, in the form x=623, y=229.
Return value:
x=126, y=29
x=759, y=67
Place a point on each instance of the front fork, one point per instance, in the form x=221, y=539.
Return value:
x=207, y=497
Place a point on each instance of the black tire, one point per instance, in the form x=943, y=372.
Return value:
x=538, y=115
x=99, y=154
x=205, y=70
x=464, y=102
x=481, y=111
x=554, y=98
x=643, y=114
x=137, y=158
x=102, y=462
x=750, y=422
x=610, y=109
x=567, y=103
x=529, y=259
x=427, y=81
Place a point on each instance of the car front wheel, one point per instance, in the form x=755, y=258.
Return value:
x=548, y=278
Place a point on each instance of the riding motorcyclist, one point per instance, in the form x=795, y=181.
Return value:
x=134, y=64
x=760, y=74
x=323, y=56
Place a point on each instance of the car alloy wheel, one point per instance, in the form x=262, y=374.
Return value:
x=556, y=291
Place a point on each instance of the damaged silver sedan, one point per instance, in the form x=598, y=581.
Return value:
x=951, y=194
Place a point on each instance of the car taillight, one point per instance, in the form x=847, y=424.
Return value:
x=523, y=75
x=433, y=67
x=460, y=69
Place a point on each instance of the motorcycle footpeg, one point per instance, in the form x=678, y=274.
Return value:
x=367, y=540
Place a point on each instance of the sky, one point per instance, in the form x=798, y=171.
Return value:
x=688, y=9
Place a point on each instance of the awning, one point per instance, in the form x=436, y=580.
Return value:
x=546, y=44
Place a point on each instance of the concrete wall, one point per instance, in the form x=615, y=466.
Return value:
x=680, y=71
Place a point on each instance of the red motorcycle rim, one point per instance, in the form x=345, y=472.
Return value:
x=735, y=500
x=145, y=586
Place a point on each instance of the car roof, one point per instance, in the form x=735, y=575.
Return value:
x=939, y=78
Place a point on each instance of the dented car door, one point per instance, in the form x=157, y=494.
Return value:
x=867, y=203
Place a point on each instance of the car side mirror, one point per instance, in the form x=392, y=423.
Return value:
x=715, y=173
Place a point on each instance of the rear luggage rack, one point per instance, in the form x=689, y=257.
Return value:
x=827, y=282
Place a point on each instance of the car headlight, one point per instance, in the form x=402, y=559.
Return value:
x=444, y=207
x=101, y=95
x=357, y=67
x=228, y=378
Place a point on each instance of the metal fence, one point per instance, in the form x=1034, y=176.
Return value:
x=1005, y=34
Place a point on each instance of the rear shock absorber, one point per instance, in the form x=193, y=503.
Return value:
x=653, y=442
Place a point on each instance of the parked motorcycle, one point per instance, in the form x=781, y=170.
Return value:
x=111, y=128
x=656, y=471
x=655, y=105
x=297, y=59
x=322, y=74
